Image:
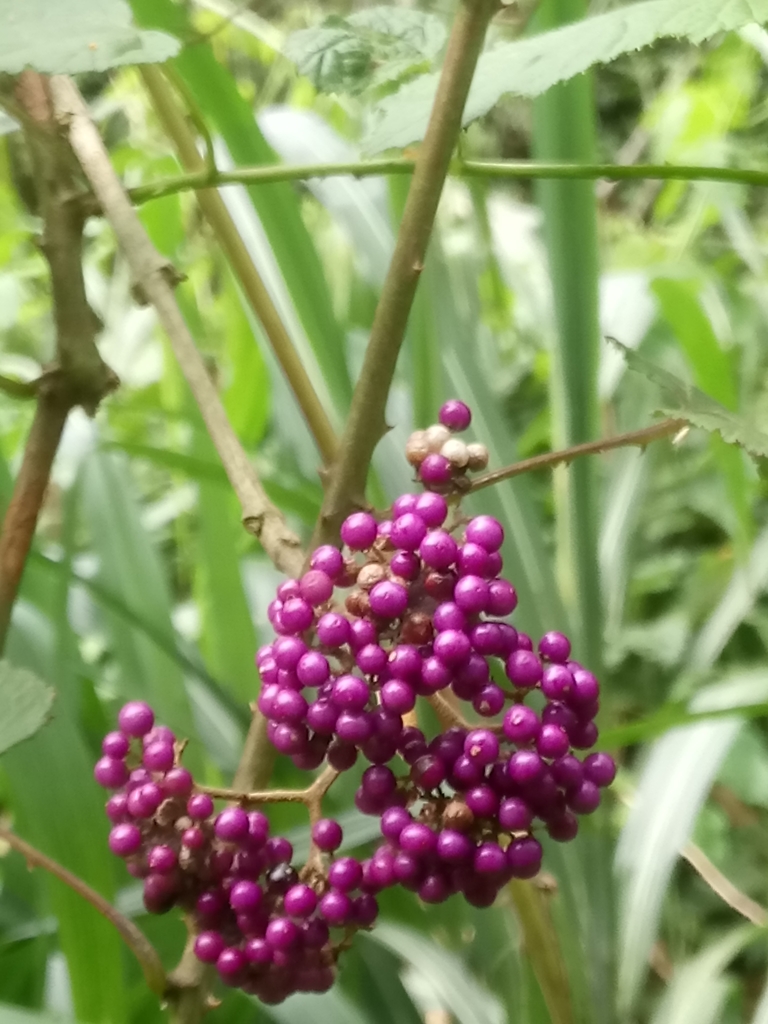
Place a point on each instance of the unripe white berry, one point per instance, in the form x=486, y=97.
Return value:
x=417, y=448
x=456, y=452
x=436, y=436
x=477, y=455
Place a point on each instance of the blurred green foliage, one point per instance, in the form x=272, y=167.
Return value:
x=142, y=582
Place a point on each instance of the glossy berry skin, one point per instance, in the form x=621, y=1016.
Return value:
x=485, y=531
x=110, y=772
x=358, y=531
x=232, y=825
x=600, y=769
x=327, y=834
x=136, y=718
x=555, y=647
x=455, y=415
x=124, y=840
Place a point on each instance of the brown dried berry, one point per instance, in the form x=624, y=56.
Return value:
x=357, y=603
x=417, y=629
x=370, y=575
x=457, y=815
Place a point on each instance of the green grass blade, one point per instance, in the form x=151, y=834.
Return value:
x=564, y=129
x=217, y=96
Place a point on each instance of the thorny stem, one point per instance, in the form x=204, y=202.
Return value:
x=366, y=423
x=141, y=948
x=231, y=241
x=502, y=170
x=637, y=438
x=78, y=376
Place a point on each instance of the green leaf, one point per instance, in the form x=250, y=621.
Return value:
x=26, y=702
x=698, y=989
x=372, y=47
x=15, y=1015
x=440, y=975
x=73, y=36
x=531, y=66
x=673, y=785
x=686, y=402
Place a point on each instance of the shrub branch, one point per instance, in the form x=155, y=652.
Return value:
x=366, y=424
x=78, y=375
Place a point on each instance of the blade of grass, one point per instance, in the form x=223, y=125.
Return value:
x=564, y=129
x=217, y=95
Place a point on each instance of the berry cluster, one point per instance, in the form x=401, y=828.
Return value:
x=413, y=605
x=441, y=460
x=267, y=929
x=423, y=614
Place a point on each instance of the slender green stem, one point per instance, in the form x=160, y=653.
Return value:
x=516, y=170
x=18, y=388
x=136, y=941
x=549, y=460
x=542, y=947
x=229, y=238
x=366, y=424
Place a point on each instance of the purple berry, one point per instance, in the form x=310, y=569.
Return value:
x=563, y=828
x=502, y=598
x=552, y=741
x=485, y=531
x=231, y=825
x=435, y=674
x=555, y=647
x=482, y=801
x=124, y=840
x=583, y=736
x=358, y=531
x=321, y=717
x=455, y=415
x=489, y=701
x=379, y=782
x=454, y=847
x=403, y=504
x=350, y=693
x=448, y=615
x=471, y=594
x=354, y=727
x=521, y=724
x=300, y=901
x=524, y=766
x=428, y=771
x=524, y=857
x=178, y=782
x=472, y=560
x=524, y=668
x=583, y=800
x=345, y=874
x=371, y=659
x=136, y=718
x=258, y=951
x=556, y=682
x=115, y=744
x=336, y=907
x=515, y=815
x=398, y=696
x=584, y=689
x=297, y=615
x=328, y=559
x=431, y=508
x=465, y=773
x=110, y=772
x=312, y=669
x=489, y=859
x=327, y=835
x=418, y=839
x=333, y=629
x=438, y=550
x=279, y=850
x=435, y=470
x=362, y=632
x=404, y=662
x=406, y=565
x=316, y=587
x=600, y=768
x=230, y=963
x=388, y=600
x=209, y=947
x=245, y=896
x=481, y=746
x=408, y=531
x=341, y=755
x=452, y=647
x=158, y=756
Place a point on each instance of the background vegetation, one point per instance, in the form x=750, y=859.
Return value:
x=142, y=582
